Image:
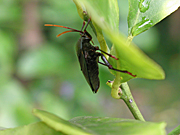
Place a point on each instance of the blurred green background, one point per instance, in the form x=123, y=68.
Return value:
x=38, y=70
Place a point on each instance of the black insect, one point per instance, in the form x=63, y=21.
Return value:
x=88, y=57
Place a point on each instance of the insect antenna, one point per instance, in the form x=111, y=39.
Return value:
x=71, y=29
x=64, y=33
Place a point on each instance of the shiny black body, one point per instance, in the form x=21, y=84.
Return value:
x=88, y=59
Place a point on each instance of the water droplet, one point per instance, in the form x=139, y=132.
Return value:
x=144, y=5
x=142, y=26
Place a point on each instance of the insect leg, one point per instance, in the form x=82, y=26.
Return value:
x=106, y=63
x=83, y=25
x=87, y=24
x=97, y=48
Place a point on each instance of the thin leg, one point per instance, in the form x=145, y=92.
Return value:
x=83, y=25
x=97, y=48
x=106, y=63
x=110, y=67
x=87, y=24
x=102, y=63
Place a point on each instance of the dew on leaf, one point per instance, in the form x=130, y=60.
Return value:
x=144, y=5
x=142, y=26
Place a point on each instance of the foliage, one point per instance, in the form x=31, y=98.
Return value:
x=52, y=124
x=28, y=73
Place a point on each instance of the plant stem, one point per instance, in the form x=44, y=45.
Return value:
x=125, y=94
x=129, y=40
x=129, y=100
x=115, y=87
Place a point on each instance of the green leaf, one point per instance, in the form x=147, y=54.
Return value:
x=134, y=60
x=38, y=128
x=59, y=124
x=53, y=125
x=110, y=10
x=130, y=57
x=118, y=126
x=175, y=131
x=144, y=14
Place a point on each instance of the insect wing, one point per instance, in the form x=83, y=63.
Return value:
x=88, y=67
